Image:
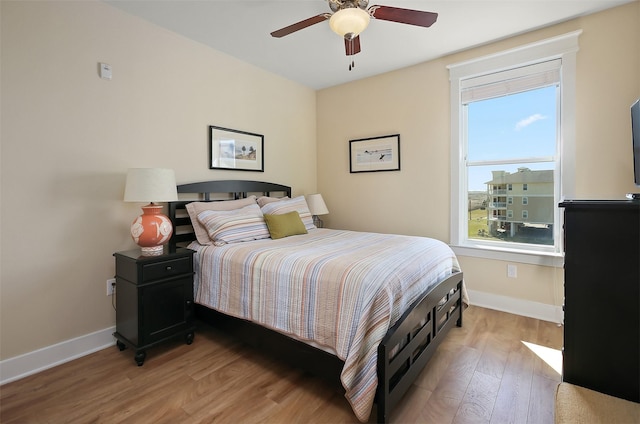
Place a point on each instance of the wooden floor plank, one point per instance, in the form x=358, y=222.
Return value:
x=439, y=409
x=477, y=405
x=512, y=401
x=482, y=372
x=542, y=394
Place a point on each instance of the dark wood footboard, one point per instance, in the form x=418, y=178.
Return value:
x=410, y=343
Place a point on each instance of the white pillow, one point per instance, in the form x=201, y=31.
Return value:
x=263, y=200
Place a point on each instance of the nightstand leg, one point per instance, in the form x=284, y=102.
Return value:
x=140, y=356
x=189, y=338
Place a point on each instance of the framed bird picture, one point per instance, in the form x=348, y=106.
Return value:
x=375, y=154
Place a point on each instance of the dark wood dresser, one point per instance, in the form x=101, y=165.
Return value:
x=602, y=296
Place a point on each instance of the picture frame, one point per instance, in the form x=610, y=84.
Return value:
x=235, y=150
x=375, y=154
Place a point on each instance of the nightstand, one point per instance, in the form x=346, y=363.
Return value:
x=154, y=299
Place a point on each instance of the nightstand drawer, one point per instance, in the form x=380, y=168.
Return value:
x=166, y=269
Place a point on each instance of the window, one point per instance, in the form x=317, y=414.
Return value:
x=513, y=133
x=511, y=140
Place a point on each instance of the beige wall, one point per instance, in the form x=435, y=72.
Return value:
x=415, y=103
x=68, y=138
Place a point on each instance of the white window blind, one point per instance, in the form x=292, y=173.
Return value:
x=511, y=81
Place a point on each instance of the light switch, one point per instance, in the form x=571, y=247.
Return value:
x=105, y=71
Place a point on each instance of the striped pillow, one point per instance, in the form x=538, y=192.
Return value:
x=195, y=208
x=298, y=204
x=244, y=224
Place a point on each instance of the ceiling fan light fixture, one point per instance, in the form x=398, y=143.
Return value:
x=350, y=22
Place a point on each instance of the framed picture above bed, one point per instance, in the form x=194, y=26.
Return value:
x=375, y=154
x=236, y=150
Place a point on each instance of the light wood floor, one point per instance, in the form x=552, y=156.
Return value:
x=482, y=373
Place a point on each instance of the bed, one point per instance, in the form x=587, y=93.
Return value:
x=354, y=305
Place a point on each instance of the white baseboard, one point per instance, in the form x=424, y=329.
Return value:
x=515, y=306
x=48, y=357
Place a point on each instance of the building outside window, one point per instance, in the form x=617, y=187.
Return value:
x=536, y=227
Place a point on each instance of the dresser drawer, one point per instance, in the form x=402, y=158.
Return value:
x=166, y=269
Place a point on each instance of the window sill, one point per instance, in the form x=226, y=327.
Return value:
x=511, y=255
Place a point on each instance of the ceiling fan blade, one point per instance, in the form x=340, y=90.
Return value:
x=300, y=25
x=403, y=16
x=352, y=46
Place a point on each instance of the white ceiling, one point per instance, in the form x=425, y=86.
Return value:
x=315, y=56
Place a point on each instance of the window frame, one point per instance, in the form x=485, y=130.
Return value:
x=563, y=47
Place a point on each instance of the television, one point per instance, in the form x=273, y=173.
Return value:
x=635, y=135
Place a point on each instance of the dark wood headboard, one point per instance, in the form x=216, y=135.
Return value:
x=221, y=190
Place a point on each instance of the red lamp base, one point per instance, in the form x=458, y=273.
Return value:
x=151, y=230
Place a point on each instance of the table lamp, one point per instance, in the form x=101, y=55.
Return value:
x=152, y=229
x=317, y=207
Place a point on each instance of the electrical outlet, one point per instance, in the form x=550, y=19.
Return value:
x=512, y=271
x=111, y=286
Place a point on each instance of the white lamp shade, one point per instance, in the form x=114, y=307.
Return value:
x=316, y=204
x=150, y=185
x=352, y=21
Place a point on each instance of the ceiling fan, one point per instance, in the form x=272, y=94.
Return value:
x=350, y=17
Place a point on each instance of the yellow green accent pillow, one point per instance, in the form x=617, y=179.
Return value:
x=285, y=225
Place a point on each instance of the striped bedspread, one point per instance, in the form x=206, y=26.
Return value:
x=341, y=290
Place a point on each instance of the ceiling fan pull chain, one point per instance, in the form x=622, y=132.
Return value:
x=351, y=49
